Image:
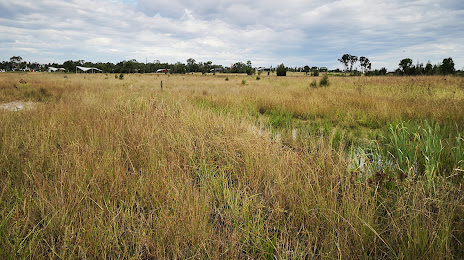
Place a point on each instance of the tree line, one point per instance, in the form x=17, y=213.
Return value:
x=349, y=62
x=405, y=67
x=16, y=63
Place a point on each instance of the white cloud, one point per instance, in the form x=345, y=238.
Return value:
x=295, y=32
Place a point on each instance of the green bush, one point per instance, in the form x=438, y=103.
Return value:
x=324, y=81
x=250, y=71
x=313, y=84
x=281, y=70
x=121, y=76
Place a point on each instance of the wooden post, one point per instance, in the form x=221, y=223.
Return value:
x=161, y=85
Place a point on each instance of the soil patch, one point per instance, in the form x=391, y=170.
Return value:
x=17, y=105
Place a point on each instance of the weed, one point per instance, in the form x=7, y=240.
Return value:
x=420, y=149
x=313, y=84
x=324, y=81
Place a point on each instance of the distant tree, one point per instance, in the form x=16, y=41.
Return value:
x=436, y=69
x=419, y=69
x=365, y=64
x=70, y=65
x=383, y=71
x=16, y=61
x=249, y=68
x=306, y=69
x=179, y=68
x=191, y=65
x=353, y=60
x=447, y=67
x=428, y=70
x=241, y=67
x=345, y=59
x=281, y=70
x=380, y=72
x=207, y=65
x=190, y=61
x=405, y=66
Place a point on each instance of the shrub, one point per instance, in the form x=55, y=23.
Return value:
x=250, y=71
x=121, y=76
x=313, y=84
x=243, y=82
x=281, y=70
x=324, y=81
x=316, y=73
x=258, y=78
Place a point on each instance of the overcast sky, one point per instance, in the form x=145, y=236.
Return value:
x=267, y=32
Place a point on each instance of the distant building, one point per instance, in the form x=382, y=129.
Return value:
x=53, y=69
x=86, y=69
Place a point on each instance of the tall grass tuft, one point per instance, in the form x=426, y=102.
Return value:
x=420, y=149
x=324, y=81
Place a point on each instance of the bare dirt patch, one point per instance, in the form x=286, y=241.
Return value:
x=17, y=105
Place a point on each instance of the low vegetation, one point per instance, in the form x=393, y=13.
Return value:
x=208, y=167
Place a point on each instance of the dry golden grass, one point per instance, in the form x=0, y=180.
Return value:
x=108, y=168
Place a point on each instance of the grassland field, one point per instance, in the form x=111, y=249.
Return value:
x=231, y=166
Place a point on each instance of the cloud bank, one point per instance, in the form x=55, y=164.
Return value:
x=294, y=32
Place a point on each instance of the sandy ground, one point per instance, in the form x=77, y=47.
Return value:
x=17, y=105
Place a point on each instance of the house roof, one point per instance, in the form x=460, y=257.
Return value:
x=87, y=68
x=55, y=69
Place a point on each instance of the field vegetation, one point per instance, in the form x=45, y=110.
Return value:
x=227, y=166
